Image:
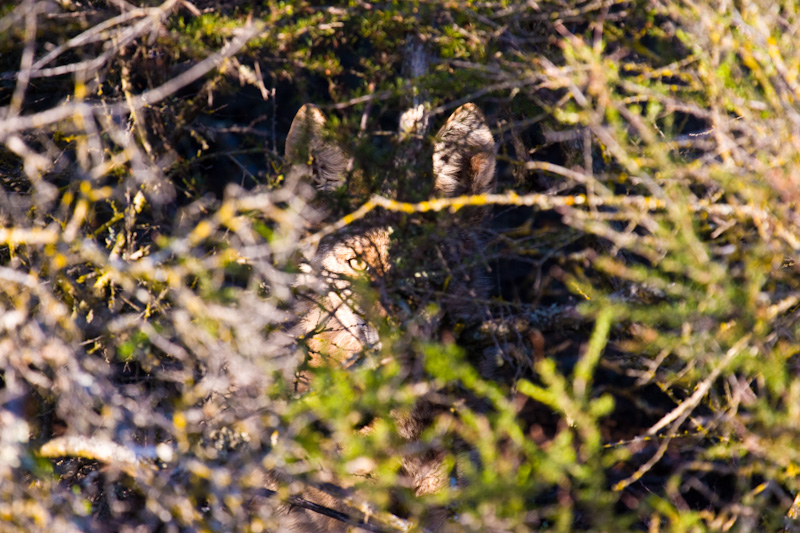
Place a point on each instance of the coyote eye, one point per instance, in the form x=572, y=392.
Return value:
x=358, y=264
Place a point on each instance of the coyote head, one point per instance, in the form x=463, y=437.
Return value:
x=338, y=326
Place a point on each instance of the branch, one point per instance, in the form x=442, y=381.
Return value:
x=132, y=461
x=547, y=202
x=296, y=501
x=94, y=33
x=693, y=401
x=148, y=98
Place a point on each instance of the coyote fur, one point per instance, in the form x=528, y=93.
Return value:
x=336, y=328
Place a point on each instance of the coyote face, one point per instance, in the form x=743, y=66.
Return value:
x=463, y=163
x=337, y=325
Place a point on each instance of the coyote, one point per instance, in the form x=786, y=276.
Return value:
x=463, y=163
x=336, y=329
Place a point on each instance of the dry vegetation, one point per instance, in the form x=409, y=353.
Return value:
x=636, y=367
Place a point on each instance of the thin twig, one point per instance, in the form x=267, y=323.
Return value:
x=148, y=98
x=702, y=389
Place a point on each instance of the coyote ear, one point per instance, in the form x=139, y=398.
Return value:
x=464, y=154
x=308, y=151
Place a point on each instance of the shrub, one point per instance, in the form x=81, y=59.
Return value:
x=636, y=366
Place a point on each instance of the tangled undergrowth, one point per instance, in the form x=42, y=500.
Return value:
x=643, y=326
